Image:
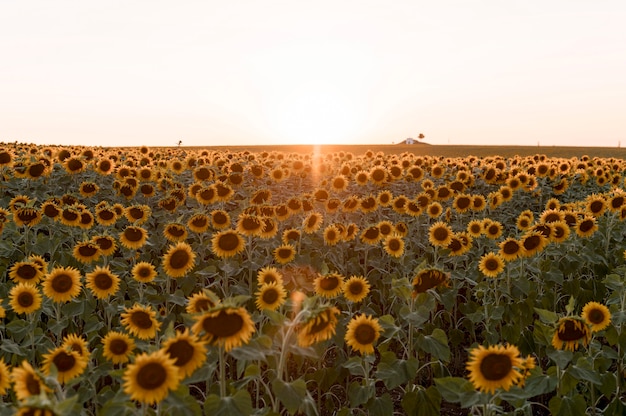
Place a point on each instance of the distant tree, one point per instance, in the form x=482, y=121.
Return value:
x=420, y=136
x=180, y=142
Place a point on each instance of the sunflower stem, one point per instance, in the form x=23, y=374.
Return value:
x=222, y=365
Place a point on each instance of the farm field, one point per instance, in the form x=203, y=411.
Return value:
x=331, y=280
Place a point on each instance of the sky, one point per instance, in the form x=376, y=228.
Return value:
x=250, y=72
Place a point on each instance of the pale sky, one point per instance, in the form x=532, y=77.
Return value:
x=238, y=72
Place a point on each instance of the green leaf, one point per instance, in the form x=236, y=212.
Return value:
x=256, y=349
x=181, y=402
x=67, y=406
x=11, y=347
x=422, y=402
x=539, y=384
x=359, y=394
x=325, y=377
x=238, y=404
x=546, y=316
x=355, y=366
x=291, y=395
x=382, y=406
x=567, y=406
x=457, y=390
x=436, y=344
x=608, y=385
x=560, y=357
x=583, y=370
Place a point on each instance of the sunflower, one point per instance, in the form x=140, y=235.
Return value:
x=494, y=367
x=67, y=363
x=151, y=377
x=551, y=215
x=27, y=216
x=616, y=202
x=26, y=382
x=493, y=229
x=595, y=205
x=201, y=301
x=270, y=228
x=270, y=296
x=5, y=378
x=227, y=243
x=225, y=326
x=462, y=203
x=88, y=189
x=586, y=226
x=269, y=275
x=26, y=272
x=560, y=232
x=105, y=243
x=249, y=225
x=51, y=210
x=137, y=214
x=188, y=352
x=398, y=204
x=384, y=198
x=429, y=279
x=479, y=203
x=597, y=315
x=178, y=260
x=440, y=234
x=363, y=331
x=329, y=285
x=510, y=249
x=86, y=251
x=140, y=321
x=199, y=223
x=284, y=253
x=24, y=298
x=144, y=272
x=356, y=288
x=371, y=235
x=401, y=229
x=332, y=235
x=475, y=228
x=133, y=237
x=117, y=347
x=368, y=204
x=62, y=284
x=319, y=327
x=102, y=282
x=378, y=175
x=532, y=242
x=312, y=222
x=394, y=245
x=570, y=333
x=76, y=343
x=105, y=215
x=491, y=264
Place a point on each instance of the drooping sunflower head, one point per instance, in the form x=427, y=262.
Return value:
x=178, y=260
x=86, y=251
x=532, y=242
x=586, y=226
x=26, y=382
x=227, y=243
x=329, y=285
x=270, y=296
x=429, y=278
x=27, y=216
x=570, y=333
x=510, y=249
x=188, y=352
x=319, y=327
x=362, y=333
x=284, y=253
x=201, y=302
x=494, y=367
x=76, y=343
x=225, y=326
x=597, y=315
x=356, y=288
x=133, y=237
x=151, y=377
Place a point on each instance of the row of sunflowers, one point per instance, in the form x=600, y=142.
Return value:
x=154, y=281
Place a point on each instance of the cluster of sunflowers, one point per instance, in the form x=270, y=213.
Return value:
x=131, y=272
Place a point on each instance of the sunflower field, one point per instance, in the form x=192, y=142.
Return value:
x=215, y=282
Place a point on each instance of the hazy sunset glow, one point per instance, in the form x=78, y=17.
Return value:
x=280, y=72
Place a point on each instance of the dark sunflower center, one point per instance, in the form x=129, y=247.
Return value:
x=312, y=221
x=219, y=218
x=284, y=253
x=88, y=250
x=25, y=299
x=223, y=325
x=32, y=385
x=182, y=351
x=355, y=288
x=136, y=213
x=596, y=206
x=463, y=203
x=203, y=304
x=492, y=264
x=365, y=334
x=496, y=366
x=105, y=215
x=141, y=320
x=532, y=242
x=394, y=244
x=378, y=175
x=144, y=272
x=440, y=234
x=133, y=234
x=27, y=271
x=329, y=283
x=251, y=224
x=595, y=316
x=570, y=331
x=74, y=165
x=270, y=296
x=62, y=283
x=151, y=376
x=103, y=281
x=180, y=259
x=319, y=326
x=372, y=233
x=64, y=361
x=176, y=231
x=104, y=243
x=510, y=247
x=118, y=346
x=199, y=222
x=228, y=242
x=586, y=225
